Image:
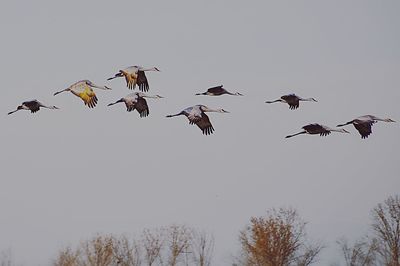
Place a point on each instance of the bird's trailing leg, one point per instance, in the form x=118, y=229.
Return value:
x=119, y=101
x=302, y=132
x=58, y=92
x=13, y=111
x=118, y=75
x=181, y=113
x=279, y=100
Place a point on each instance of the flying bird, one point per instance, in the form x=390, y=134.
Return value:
x=136, y=101
x=364, y=124
x=317, y=129
x=135, y=75
x=33, y=106
x=217, y=91
x=197, y=115
x=292, y=100
x=84, y=90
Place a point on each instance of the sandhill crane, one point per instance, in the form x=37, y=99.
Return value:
x=196, y=115
x=136, y=101
x=293, y=100
x=217, y=91
x=135, y=75
x=33, y=106
x=84, y=90
x=364, y=124
x=314, y=129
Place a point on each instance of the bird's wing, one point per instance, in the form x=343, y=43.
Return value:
x=317, y=129
x=142, y=107
x=131, y=79
x=292, y=100
x=34, y=105
x=89, y=97
x=216, y=90
x=365, y=129
x=193, y=114
x=142, y=81
x=204, y=124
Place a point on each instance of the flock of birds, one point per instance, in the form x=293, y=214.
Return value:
x=135, y=76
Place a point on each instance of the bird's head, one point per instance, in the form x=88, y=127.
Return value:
x=313, y=99
x=344, y=131
x=156, y=69
x=389, y=120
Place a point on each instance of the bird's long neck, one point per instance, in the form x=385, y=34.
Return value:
x=149, y=69
x=383, y=119
x=100, y=87
x=279, y=100
x=307, y=99
x=302, y=132
x=48, y=107
x=235, y=94
x=153, y=96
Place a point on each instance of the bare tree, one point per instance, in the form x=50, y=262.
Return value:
x=279, y=239
x=127, y=253
x=386, y=225
x=153, y=242
x=202, y=248
x=67, y=257
x=362, y=253
x=179, y=242
x=98, y=251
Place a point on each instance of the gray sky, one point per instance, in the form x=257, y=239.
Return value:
x=69, y=174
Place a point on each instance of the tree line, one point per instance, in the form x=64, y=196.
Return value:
x=278, y=238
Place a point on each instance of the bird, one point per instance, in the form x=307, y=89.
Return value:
x=292, y=100
x=33, y=106
x=314, y=129
x=135, y=75
x=364, y=124
x=136, y=101
x=197, y=115
x=84, y=90
x=217, y=91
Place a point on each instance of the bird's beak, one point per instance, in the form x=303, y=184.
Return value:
x=226, y=111
x=108, y=88
x=159, y=96
x=157, y=69
x=391, y=120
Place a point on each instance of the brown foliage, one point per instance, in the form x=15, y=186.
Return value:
x=276, y=240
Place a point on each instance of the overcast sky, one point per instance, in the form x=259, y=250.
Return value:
x=68, y=174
